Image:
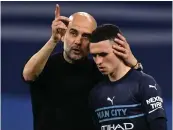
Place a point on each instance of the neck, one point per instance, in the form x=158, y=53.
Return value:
x=71, y=61
x=119, y=72
x=67, y=58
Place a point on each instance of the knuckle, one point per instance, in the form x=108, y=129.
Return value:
x=127, y=51
x=125, y=56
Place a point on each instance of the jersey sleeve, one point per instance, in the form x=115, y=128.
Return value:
x=151, y=97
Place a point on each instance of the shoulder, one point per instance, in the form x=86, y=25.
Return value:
x=146, y=78
x=54, y=59
x=143, y=77
x=56, y=56
x=143, y=80
x=149, y=85
x=50, y=69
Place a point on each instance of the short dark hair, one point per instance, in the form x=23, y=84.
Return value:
x=104, y=32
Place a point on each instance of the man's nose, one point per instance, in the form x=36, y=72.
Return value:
x=78, y=40
x=98, y=60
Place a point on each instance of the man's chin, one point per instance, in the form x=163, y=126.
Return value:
x=76, y=57
x=104, y=72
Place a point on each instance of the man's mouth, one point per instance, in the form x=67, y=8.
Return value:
x=76, y=50
x=102, y=69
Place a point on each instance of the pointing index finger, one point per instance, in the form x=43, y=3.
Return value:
x=57, y=11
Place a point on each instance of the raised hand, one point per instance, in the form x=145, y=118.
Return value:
x=123, y=50
x=59, y=25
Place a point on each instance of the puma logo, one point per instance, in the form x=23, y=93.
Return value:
x=111, y=100
x=151, y=86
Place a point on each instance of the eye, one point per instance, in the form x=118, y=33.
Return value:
x=94, y=55
x=73, y=33
x=103, y=54
x=85, y=38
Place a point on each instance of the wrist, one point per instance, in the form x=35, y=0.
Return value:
x=135, y=66
x=134, y=63
x=138, y=66
x=53, y=40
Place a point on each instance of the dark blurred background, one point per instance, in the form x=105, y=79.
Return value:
x=26, y=27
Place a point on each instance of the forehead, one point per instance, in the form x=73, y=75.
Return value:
x=81, y=24
x=103, y=46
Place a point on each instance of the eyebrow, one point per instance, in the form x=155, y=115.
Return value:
x=84, y=34
x=72, y=29
x=100, y=54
